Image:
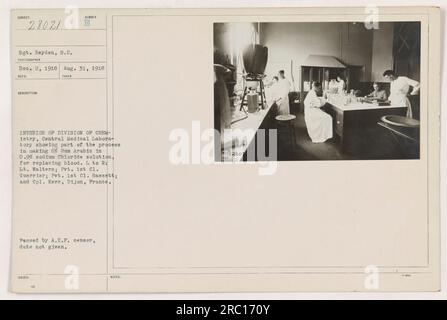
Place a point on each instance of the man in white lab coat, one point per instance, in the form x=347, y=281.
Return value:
x=341, y=84
x=399, y=88
x=333, y=86
x=282, y=89
x=318, y=122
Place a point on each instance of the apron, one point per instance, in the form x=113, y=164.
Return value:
x=283, y=105
x=318, y=122
x=319, y=125
x=402, y=100
x=281, y=96
x=398, y=96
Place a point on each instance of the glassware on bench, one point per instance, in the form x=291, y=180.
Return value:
x=347, y=100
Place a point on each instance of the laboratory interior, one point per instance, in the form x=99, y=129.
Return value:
x=331, y=90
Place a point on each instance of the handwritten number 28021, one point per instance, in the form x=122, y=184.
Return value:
x=44, y=24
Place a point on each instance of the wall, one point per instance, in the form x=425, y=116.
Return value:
x=382, y=51
x=407, y=49
x=350, y=43
x=356, y=48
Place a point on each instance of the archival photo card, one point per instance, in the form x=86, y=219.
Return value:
x=226, y=150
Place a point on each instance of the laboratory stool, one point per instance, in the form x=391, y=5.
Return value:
x=285, y=121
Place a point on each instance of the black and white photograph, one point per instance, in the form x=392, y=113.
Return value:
x=317, y=90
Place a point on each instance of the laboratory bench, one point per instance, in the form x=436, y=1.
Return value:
x=263, y=119
x=353, y=121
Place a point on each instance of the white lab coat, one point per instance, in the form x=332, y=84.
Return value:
x=341, y=86
x=333, y=86
x=318, y=122
x=281, y=96
x=398, y=93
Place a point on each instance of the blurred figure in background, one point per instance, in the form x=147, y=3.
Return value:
x=341, y=84
x=333, y=86
x=377, y=93
x=281, y=93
